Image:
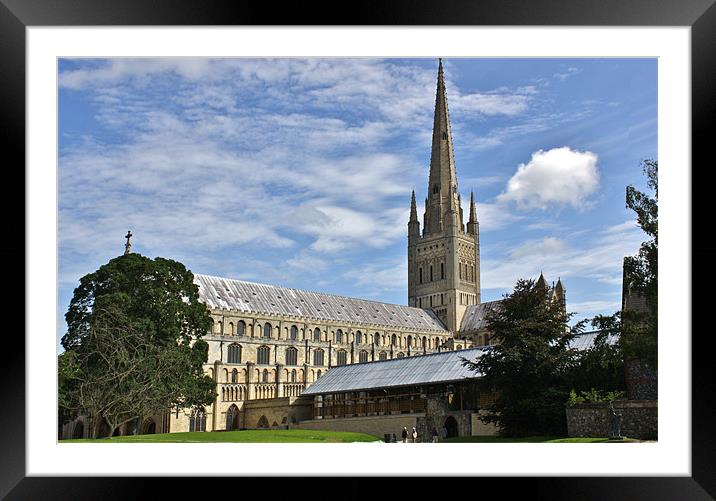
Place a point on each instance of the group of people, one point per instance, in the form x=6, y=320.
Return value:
x=414, y=437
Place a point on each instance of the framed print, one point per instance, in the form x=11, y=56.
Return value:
x=92, y=74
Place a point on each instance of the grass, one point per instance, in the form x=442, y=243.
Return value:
x=242, y=436
x=535, y=439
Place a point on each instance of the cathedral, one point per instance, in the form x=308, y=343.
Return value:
x=268, y=344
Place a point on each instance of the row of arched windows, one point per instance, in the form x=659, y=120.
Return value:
x=293, y=334
x=430, y=273
x=467, y=272
x=431, y=300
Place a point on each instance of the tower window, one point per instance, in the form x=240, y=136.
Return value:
x=444, y=136
x=442, y=271
x=421, y=275
x=431, y=272
x=436, y=189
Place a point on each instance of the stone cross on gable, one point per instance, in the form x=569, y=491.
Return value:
x=128, y=245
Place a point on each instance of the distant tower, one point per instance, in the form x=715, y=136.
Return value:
x=128, y=245
x=443, y=261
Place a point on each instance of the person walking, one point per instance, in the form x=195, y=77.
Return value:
x=435, y=435
x=415, y=435
x=405, y=435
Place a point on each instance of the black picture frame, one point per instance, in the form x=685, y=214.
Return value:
x=700, y=15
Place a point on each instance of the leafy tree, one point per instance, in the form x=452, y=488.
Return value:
x=529, y=367
x=639, y=325
x=601, y=366
x=133, y=345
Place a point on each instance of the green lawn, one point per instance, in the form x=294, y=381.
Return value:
x=535, y=439
x=243, y=436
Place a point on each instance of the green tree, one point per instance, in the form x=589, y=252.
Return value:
x=529, y=367
x=639, y=323
x=133, y=344
x=601, y=366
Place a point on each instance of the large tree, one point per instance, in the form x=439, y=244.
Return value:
x=528, y=369
x=640, y=315
x=133, y=344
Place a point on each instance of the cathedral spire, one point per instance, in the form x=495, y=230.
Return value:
x=442, y=184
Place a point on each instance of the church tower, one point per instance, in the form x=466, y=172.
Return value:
x=443, y=260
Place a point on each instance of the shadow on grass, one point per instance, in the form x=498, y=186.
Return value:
x=537, y=439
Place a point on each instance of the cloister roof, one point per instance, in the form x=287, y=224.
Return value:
x=406, y=371
x=248, y=297
x=411, y=371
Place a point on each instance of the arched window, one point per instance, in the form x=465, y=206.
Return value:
x=316, y=334
x=359, y=337
x=363, y=356
x=420, y=272
x=393, y=340
x=263, y=355
x=318, y=357
x=197, y=420
x=265, y=376
x=291, y=356
x=382, y=356
x=241, y=328
x=442, y=271
x=339, y=336
x=431, y=272
x=231, y=328
x=294, y=332
x=232, y=418
x=217, y=327
x=263, y=422
x=267, y=330
x=425, y=343
x=234, y=376
x=234, y=354
x=401, y=354
x=341, y=357
x=410, y=341
x=293, y=376
x=318, y=374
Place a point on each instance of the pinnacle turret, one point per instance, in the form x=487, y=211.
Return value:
x=472, y=222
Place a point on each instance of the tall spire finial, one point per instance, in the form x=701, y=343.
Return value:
x=128, y=245
x=443, y=204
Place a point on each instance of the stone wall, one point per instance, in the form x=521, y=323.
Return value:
x=436, y=413
x=377, y=426
x=279, y=412
x=639, y=419
x=641, y=381
x=483, y=429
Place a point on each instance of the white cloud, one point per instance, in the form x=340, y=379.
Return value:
x=570, y=72
x=560, y=176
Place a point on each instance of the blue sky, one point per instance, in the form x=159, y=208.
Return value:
x=298, y=172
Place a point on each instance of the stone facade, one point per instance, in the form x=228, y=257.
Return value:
x=639, y=419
